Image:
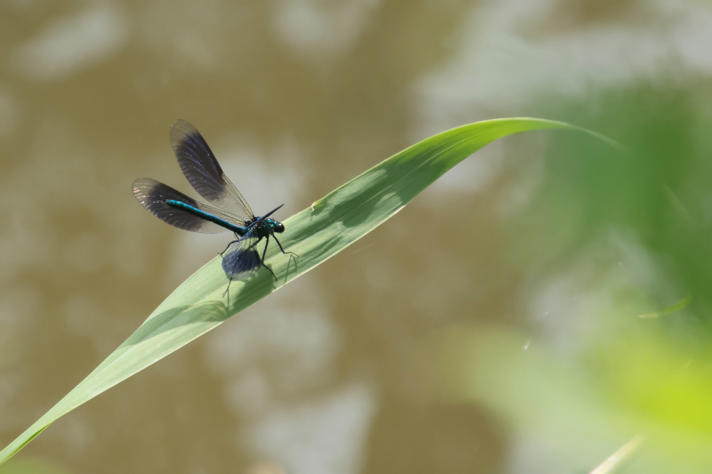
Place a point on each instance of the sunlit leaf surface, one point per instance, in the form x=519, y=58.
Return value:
x=315, y=234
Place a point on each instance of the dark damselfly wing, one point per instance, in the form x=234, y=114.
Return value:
x=203, y=171
x=153, y=195
x=242, y=258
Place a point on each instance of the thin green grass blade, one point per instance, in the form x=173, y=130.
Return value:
x=315, y=234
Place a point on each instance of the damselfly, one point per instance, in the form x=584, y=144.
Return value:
x=228, y=209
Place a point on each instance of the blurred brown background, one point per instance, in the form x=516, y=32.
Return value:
x=342, y=371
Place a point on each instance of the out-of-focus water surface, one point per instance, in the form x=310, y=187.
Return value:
x=518, y=317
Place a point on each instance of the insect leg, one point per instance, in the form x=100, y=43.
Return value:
x=282, y=248
x=262, y=260
x=228, y=245
x=265, y=250
x=255, y=243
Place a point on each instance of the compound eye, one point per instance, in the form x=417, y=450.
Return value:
x=279, y=228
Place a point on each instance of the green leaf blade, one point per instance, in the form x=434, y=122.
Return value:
x=315, y=234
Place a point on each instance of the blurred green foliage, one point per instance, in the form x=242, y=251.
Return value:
x=622, y=241
x=657, y=189
x=582, y=409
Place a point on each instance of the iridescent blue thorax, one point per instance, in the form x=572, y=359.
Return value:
x=265, y=227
